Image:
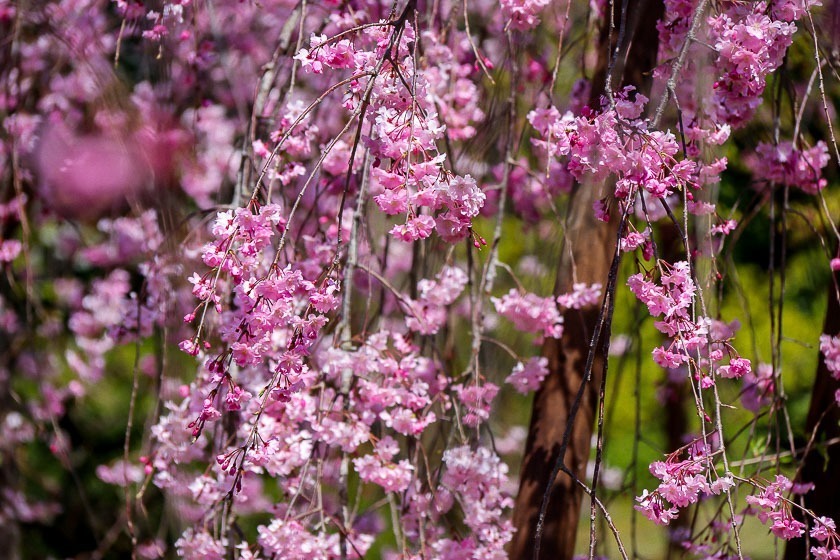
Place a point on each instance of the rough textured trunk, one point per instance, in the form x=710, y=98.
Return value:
x=821, y=465
x=587, y=252
x=553, y=401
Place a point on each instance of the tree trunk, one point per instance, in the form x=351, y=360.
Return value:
x=587, y=252
x=821, y=465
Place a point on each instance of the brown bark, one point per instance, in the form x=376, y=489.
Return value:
x=821, y=465
x=586, y=256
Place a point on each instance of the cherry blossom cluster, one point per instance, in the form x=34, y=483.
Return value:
x=532, y=313
x=824, y=530
x=700, y=342
x=635, y=239
x=476, y=479
x=751, y=41
x=405, y=126
x=683, y=482
x=614, y=142
x=523, y=14
x=393, y=386
x=783, y=164
x=428, y=313
x=772, y=507
x=673, y=28
x=582, y=295
x=645, y=164
x=527, y=377
x=277, y=314
x=830, y=350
